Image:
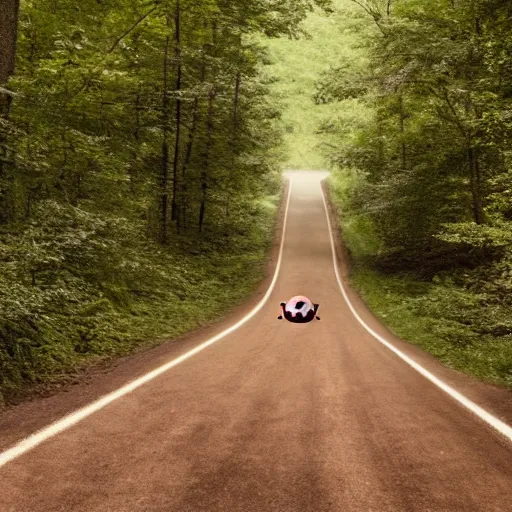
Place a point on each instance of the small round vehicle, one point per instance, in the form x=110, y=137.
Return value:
x=299, y=310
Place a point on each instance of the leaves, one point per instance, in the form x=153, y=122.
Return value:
x=141, y=137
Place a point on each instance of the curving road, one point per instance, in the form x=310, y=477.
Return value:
x=273, y=417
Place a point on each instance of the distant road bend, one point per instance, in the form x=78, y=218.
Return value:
x=275, y=416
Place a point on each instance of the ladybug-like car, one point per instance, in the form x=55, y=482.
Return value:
x=299, y=310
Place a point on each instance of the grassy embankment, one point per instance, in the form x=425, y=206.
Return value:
x=441, y=316
x=136, y=298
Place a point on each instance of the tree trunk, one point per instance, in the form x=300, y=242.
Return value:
x=209, y=137
x=164, y=178
x=202, y=209
x=9, y=10
x=8, y=36
x=402, y=132
x=476, y=184
x=177, y=52
x=206, y=161
x=186, y=162
x=234, y=136
x=190, y=146
x=380, y=144
x=136, y=136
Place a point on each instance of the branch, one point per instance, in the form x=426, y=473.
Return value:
x=328, y=144
x=96, y=69
x=131, y=29
x=444, y=96
x=364, y=7
x=8, y=93
x=376, y=16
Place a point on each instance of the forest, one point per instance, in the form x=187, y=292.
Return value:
x=420, y=142
x=141, y=150
x=139, y=172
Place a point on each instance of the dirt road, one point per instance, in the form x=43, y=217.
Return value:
x=277, y=417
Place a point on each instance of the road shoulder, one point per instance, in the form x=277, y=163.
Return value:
x=496, y=400
x=50, y=404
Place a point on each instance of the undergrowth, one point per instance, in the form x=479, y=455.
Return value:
x=459, y=316
x=76, y=290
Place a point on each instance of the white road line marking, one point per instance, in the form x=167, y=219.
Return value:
x=68, y=421
x=491, y=420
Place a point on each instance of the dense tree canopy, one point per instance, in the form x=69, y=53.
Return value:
x=131, y=132
x=421, y=139
x=435, y=150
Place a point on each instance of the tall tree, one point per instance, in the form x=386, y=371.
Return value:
x=177, y=141
x=8, y=38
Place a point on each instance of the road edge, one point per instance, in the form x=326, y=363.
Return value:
x=339, y=250
x=44, y=407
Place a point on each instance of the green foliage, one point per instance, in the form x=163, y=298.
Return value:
x=431, y=152
x=139, y=170
x=422, y=177
x=459, y=327
x=295, y=68
x=76, y=287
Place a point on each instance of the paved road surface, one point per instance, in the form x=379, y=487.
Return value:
x=276, y=417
